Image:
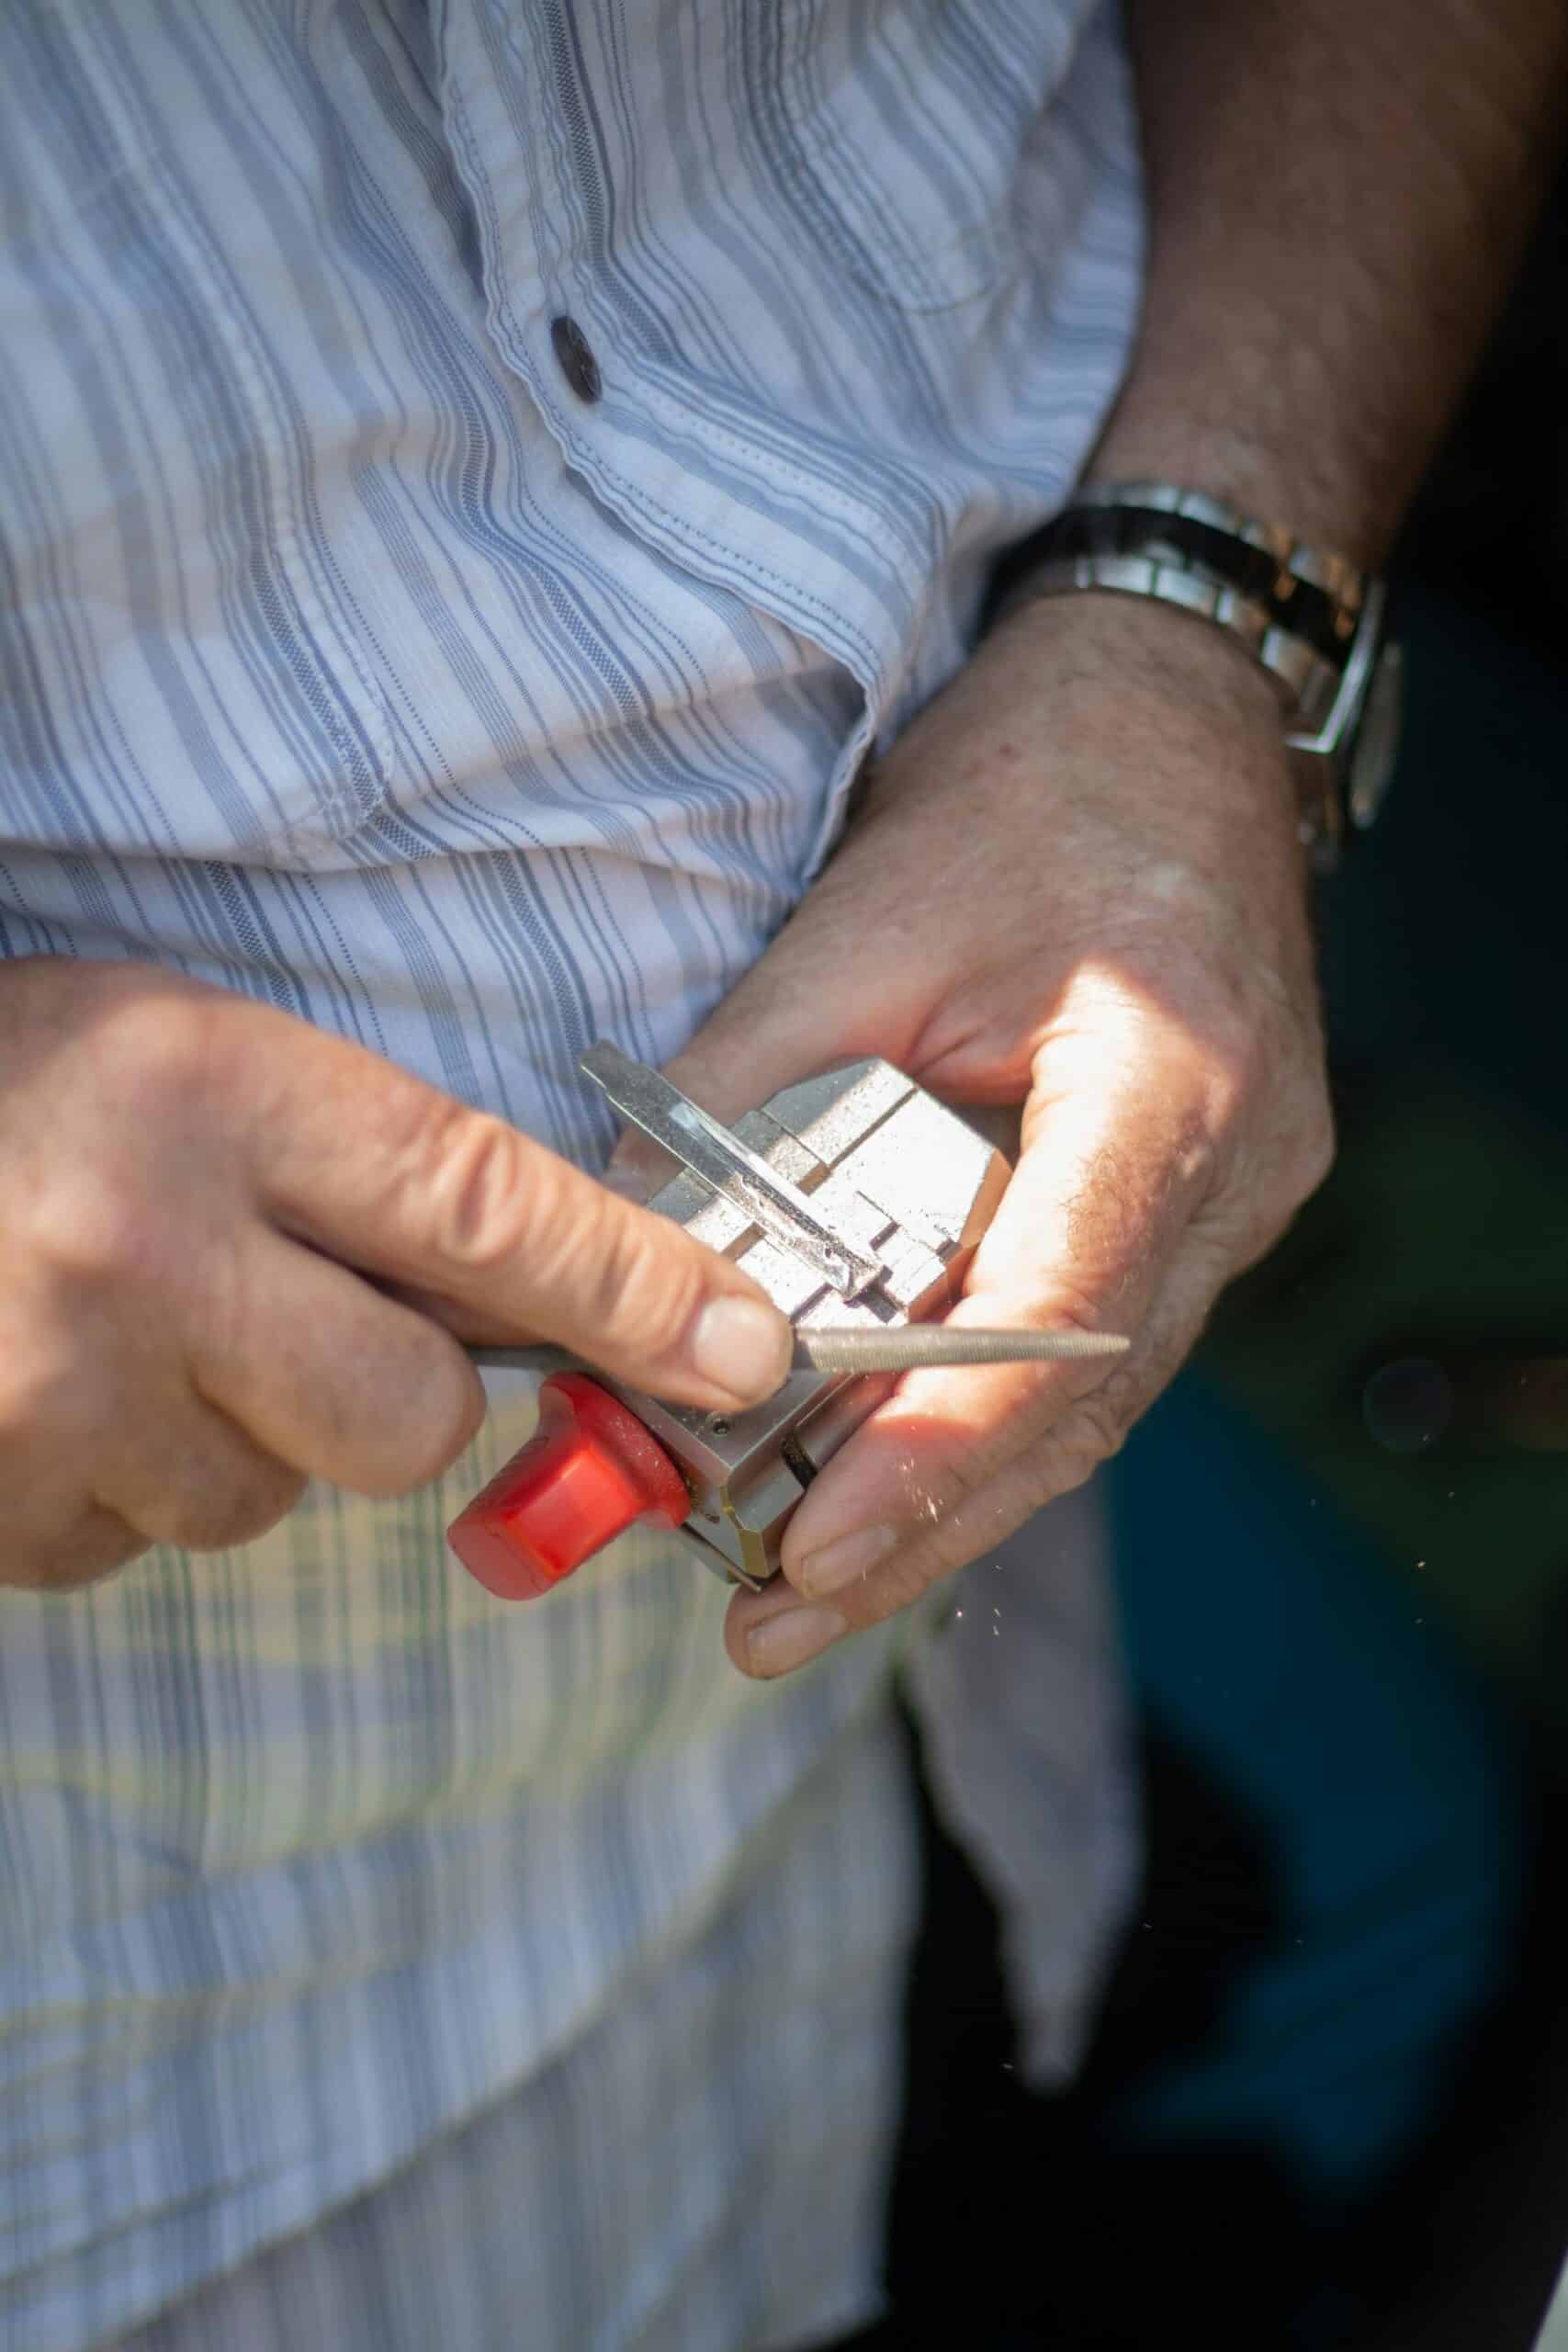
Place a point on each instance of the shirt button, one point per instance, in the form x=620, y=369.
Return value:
x=577, y=364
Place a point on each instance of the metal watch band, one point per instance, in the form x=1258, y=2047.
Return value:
x=1313, y=593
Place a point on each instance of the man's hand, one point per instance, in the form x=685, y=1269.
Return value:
x=194, y=1190
x=1076, y=885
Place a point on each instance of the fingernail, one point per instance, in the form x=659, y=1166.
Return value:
x=780, y=1643
x=847, y=1560
x=743, y=1347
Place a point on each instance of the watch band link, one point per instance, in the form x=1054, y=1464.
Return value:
x=1313, y=593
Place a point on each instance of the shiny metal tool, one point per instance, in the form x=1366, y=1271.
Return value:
x=897, y=1347
x=855, y=1201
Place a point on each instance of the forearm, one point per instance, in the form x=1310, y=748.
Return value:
x=1338, y=192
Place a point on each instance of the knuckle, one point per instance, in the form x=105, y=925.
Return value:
x=87, y=1553
x=1199, y=1160
x=1317, y=1147
x=484, y=1203
x=94, y=1232
x=38, y=1383
x=1234, y=1062
x=968, y=1472
x=631, y=1278
x=155, y=1045
x=395, y=1415
x=442, y=1429
x=216, y=1515
x=1302, y=1162
x=1075, y=1305
x=900, y=1580
x=499, y=1208
x=1097, y=1426
x=1091, y=1433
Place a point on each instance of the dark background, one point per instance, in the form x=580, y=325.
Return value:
x=1328, y=2102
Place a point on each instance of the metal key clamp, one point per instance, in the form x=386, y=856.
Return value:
x=855, y=1201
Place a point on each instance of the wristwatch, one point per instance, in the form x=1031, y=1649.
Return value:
x=1316, y=622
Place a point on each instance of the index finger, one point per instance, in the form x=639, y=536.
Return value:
x=1084, y=1235
x=388, y=1175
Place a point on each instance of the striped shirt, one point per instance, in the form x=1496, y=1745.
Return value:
x=352, y=659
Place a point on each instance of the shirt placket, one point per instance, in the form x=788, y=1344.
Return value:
x=520, y=115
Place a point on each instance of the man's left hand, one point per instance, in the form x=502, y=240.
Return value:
x=1076, y=885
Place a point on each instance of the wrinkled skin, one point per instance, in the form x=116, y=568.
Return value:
x=234, y=1252
x=1075, y=885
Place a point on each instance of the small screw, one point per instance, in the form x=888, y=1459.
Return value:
x=719, y=1423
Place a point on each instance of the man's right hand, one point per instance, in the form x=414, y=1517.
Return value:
x=204, y=1207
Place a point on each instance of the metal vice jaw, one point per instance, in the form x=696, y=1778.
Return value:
x=855, y=1200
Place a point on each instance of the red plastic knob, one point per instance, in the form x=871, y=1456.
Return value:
x=588, y=1473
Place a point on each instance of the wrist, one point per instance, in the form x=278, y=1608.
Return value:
x=1159, y=661
x=1171, y=736
x=1326, y=492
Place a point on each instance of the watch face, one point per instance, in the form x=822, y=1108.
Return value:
x=1377, y=738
